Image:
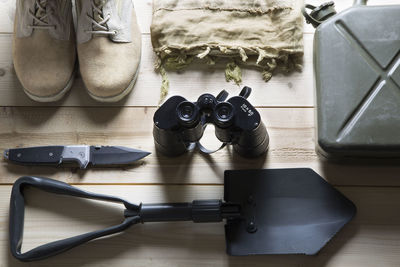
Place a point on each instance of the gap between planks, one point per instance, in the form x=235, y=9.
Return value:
x=204, y=185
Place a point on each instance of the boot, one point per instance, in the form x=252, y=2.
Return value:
x=44, y=48
x=109, y=47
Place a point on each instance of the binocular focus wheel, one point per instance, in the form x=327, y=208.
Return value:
x=206, y=101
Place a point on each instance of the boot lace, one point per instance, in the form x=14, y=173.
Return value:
x=99, y=21
x=40, y=15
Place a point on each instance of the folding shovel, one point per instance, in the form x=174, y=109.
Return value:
x=277, y=211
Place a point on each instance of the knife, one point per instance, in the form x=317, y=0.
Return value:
x=83, y=155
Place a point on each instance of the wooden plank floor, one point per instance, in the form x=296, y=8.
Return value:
x=287, y=107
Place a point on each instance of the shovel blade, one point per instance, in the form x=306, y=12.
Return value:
x=284, y=211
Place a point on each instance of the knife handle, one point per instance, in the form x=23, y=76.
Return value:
x=36, y=155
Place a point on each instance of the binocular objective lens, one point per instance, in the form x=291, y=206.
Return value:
x=224, y=113
x=188, y=113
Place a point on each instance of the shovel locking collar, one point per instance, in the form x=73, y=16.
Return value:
x=282, y=211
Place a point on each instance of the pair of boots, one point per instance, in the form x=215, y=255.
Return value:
x=107, y=44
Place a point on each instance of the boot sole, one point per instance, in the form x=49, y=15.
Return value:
x=52, y=98
x=116, y=98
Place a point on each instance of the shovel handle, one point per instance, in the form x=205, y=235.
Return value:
x=17, y=210
x=199, y=211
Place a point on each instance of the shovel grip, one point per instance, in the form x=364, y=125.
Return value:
x=17, y=210
x=199, y=211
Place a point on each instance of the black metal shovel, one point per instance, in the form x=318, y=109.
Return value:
x=277, y=211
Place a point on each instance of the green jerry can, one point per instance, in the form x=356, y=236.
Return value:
x=357, y=80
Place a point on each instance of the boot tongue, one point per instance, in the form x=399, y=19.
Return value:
x=98, y=16
x=40, y=13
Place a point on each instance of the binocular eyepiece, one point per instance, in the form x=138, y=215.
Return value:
x=188, y=114
x=178, y=123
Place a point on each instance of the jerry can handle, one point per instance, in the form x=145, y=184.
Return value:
x=319, y=14
x=360, y=2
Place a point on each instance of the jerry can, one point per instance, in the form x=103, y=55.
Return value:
x=357, y=80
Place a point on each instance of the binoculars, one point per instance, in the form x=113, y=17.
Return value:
x=179, y=124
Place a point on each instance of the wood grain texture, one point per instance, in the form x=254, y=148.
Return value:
x=286, y=105
x=371, y=239
x=292, y=144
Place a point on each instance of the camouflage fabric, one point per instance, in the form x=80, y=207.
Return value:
x=267, y=34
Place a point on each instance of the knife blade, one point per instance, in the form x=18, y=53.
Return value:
x=81, y=154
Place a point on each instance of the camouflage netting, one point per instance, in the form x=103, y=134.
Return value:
x=267, y=34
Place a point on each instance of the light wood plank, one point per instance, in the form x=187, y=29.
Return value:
x=291, y=133
x=7, y=13
x=371, y=239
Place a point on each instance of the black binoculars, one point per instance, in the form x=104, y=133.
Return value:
x=178, y=124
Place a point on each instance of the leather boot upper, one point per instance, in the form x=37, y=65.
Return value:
x=44, y=49
x=109, y=47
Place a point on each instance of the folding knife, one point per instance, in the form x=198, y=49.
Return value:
x=83, y=155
